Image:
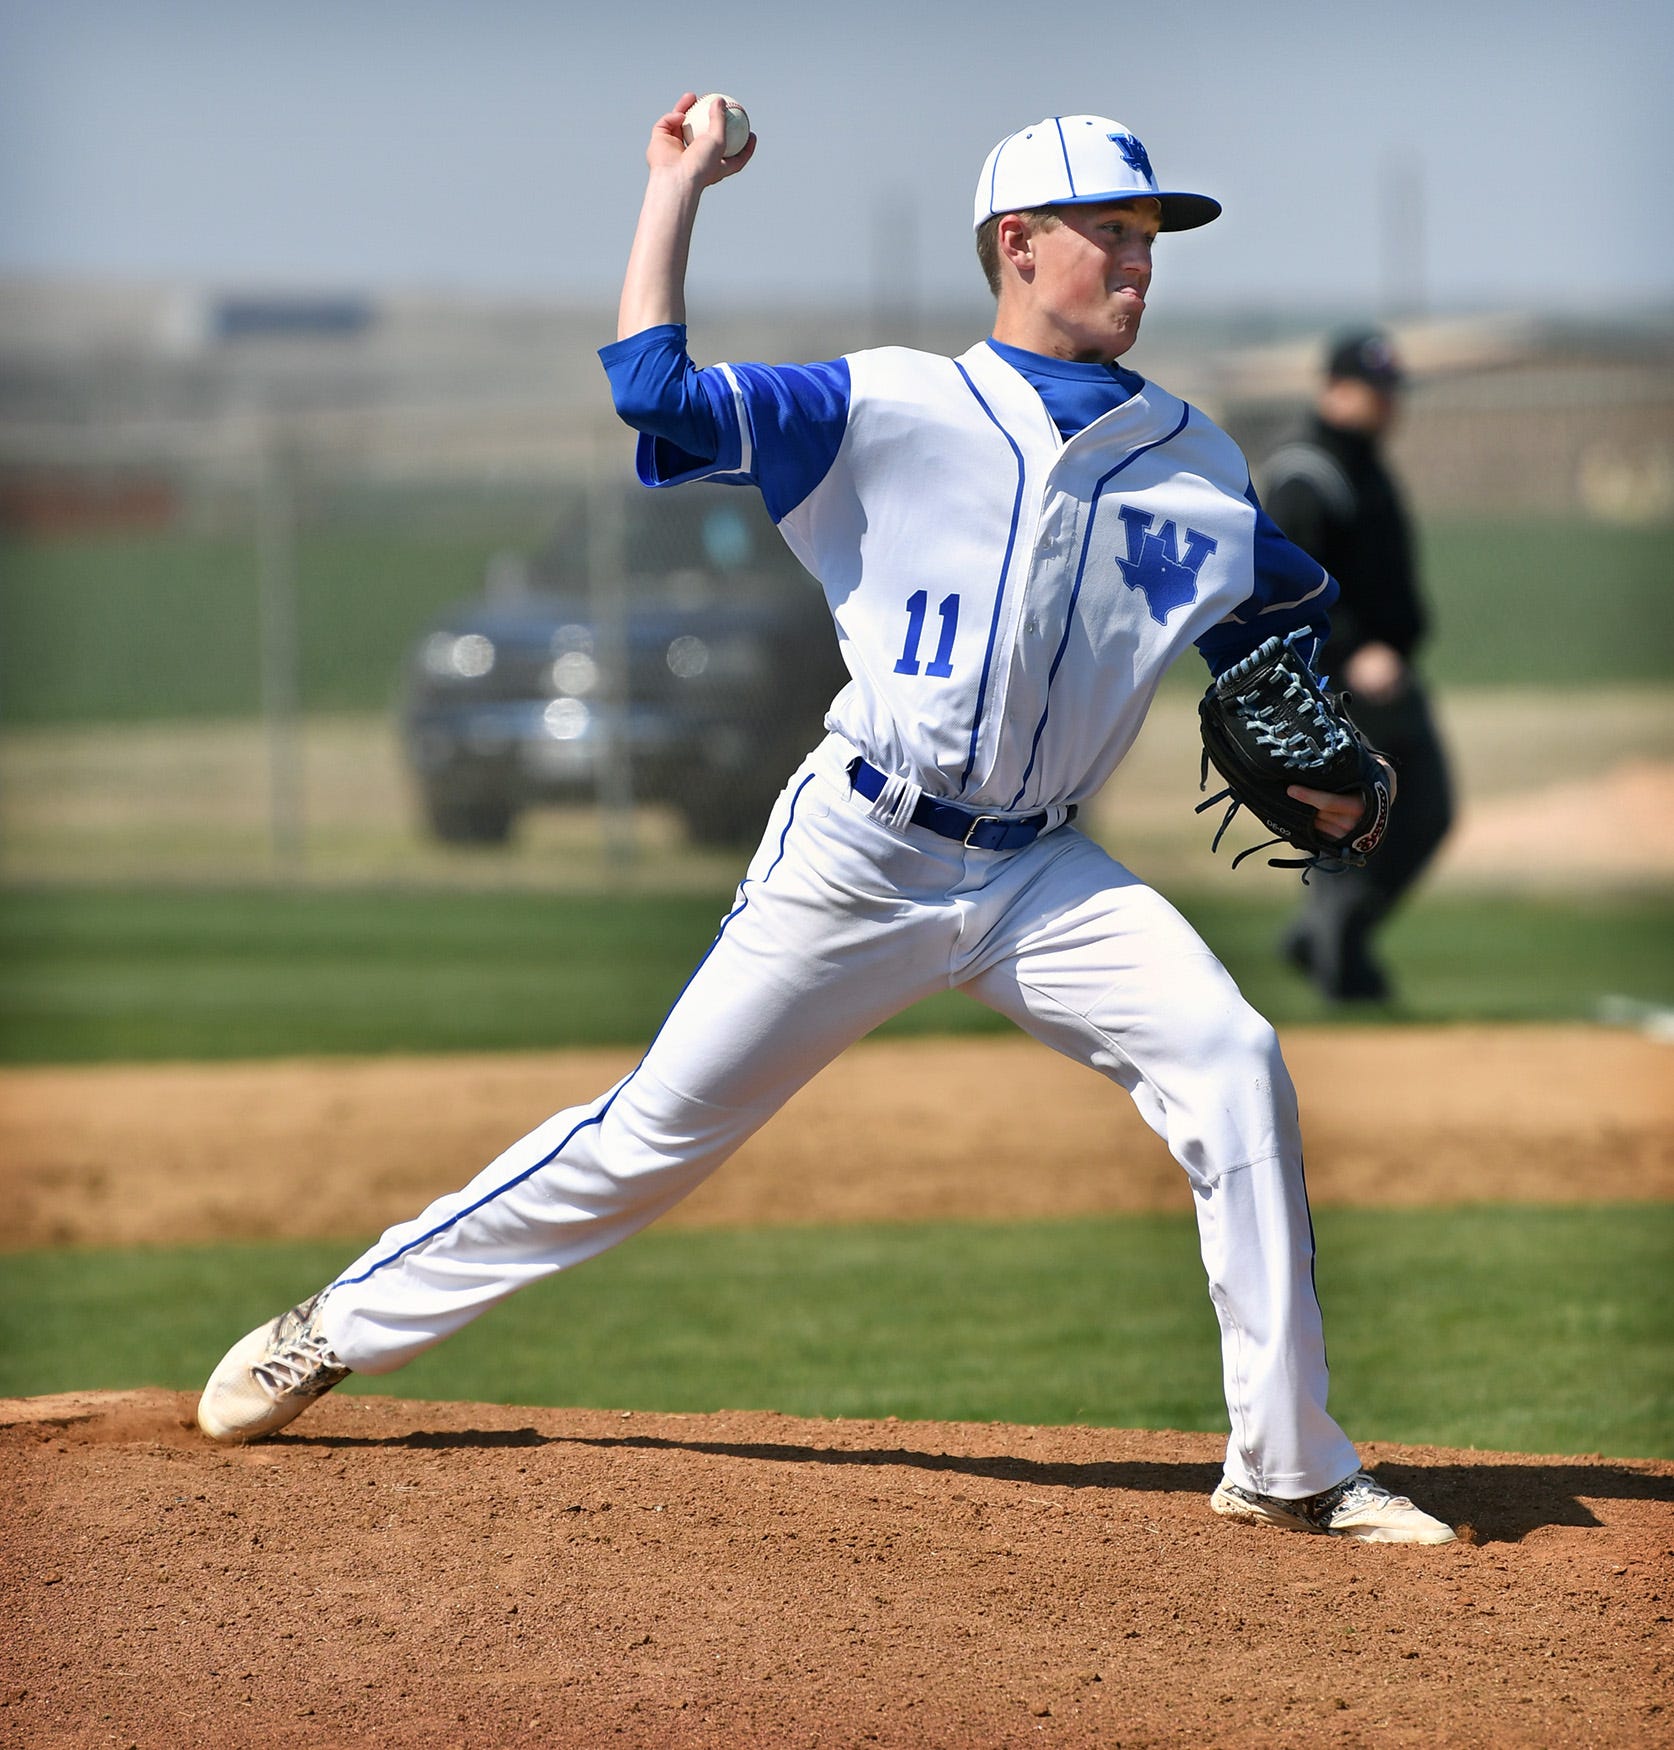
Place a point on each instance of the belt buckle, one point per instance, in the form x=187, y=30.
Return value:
x=997, y=819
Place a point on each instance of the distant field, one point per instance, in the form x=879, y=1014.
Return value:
x=1548, y=602
x=1578, y=800
x=110, y=974
x=166, y=626
x=158, y=626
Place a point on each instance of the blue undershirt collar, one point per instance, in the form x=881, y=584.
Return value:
x=1074, y=391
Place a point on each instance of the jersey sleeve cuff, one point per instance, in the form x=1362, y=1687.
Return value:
x=661, y=463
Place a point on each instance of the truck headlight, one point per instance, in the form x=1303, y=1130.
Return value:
x=574, y=673
x=456, y=656
x=566, y=719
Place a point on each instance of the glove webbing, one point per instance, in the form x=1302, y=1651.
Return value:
x=1294, y=750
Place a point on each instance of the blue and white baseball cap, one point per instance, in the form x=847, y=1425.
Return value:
x=1072, y=160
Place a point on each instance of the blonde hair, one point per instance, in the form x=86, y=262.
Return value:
x=988, y=239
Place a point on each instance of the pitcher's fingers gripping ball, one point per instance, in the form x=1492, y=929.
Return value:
x=699, y=116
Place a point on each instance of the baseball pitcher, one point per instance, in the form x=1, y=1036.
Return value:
x=1014, y=544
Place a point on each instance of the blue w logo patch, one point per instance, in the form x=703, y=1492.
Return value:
x=1135, y=154
x=1155, y=566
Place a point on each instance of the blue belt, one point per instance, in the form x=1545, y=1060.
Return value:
x=982, y=832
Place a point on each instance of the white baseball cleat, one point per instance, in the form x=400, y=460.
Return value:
x=1359, y=1506
x=270, y=1377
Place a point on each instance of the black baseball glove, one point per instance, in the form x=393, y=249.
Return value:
x=1268, y=723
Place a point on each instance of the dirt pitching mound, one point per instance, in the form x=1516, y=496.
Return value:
x=403, y=1574
x=400, y=1575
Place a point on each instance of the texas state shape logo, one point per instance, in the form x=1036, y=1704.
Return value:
x=1156, y=566
x=1135, y=154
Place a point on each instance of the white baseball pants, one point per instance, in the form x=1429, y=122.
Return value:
x=841, y=921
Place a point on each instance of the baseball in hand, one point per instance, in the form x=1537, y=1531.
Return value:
x=738, y=123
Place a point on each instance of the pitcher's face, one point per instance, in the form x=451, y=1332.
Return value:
x=1091, y=272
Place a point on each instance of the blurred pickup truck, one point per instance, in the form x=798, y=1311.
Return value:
x=662, y=647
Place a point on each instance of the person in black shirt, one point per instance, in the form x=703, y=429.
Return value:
x=1329, y=490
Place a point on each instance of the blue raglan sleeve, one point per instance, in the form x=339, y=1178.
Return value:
x=775, y=427
x=1292, y=593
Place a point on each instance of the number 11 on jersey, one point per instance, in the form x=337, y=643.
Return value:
x=918, y=607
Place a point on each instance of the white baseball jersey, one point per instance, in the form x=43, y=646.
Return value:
x=1005, y=644
x=1007, y=600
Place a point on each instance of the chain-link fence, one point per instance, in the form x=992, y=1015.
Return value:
x=306, y=667
x=418, y=623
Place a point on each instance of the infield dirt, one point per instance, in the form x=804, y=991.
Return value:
x=322, y=1148
x=402, y=1574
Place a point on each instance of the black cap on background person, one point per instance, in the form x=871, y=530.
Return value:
x=1365, y=356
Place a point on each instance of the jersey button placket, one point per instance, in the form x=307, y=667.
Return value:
x=1047, y=546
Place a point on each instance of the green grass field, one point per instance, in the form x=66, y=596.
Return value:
x=93, y=975
x=166, y=625
x=161, y=626
x=1504, y=599
x=1530, y=1330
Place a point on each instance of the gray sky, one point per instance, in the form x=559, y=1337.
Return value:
x=498, y=146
